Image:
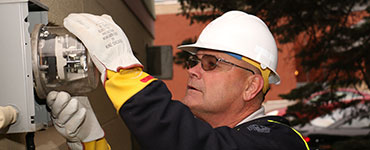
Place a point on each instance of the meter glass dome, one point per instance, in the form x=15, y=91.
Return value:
x=61, y=62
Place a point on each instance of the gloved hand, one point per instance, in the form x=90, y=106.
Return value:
x=105, y=41
x=74, y=118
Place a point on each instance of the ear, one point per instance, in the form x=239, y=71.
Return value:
x=253, y=87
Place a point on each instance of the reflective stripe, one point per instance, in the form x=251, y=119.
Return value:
x=308, y=148
x=301, y=138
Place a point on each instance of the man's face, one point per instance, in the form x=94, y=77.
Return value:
x=215, y=91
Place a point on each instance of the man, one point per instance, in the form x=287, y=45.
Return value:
x=230, y=69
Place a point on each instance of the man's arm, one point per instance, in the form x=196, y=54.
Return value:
x=158, y=122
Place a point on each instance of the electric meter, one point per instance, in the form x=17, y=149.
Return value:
x=36, y=59
x=60, y=62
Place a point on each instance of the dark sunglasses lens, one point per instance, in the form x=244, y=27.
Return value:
x=191, y=62
x=209, y=62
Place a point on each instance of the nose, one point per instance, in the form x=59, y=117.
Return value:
x=195, y=72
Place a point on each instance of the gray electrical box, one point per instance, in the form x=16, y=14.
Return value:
x=17, y=20
x=160, y=61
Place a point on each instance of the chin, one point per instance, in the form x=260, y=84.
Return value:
x=186, y=101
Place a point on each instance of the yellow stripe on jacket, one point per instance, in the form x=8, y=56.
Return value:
x=124, y=84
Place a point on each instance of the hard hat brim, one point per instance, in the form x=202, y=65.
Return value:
x=191, y=48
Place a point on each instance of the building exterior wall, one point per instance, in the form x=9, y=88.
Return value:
x=172, y=30
x=140, y=36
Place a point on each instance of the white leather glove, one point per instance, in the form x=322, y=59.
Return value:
x=105, y=41
x=74, y=119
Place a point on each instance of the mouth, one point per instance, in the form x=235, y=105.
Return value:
x=192, y=88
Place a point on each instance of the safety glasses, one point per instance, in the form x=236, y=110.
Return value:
x=209, y=62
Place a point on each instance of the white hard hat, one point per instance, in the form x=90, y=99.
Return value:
x=243, y=34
